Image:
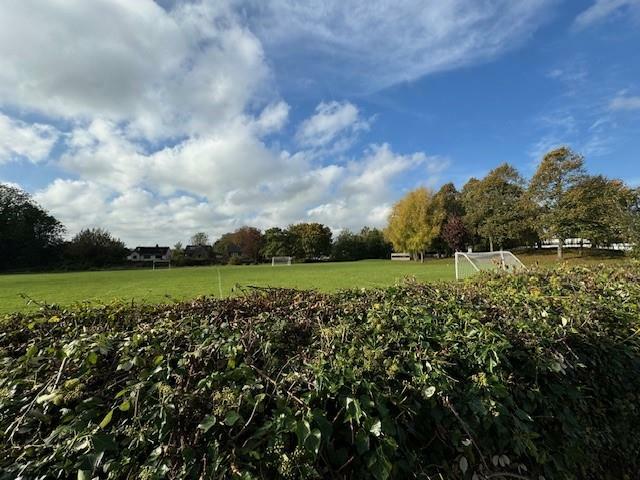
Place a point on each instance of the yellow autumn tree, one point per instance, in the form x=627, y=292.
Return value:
x=414, y=222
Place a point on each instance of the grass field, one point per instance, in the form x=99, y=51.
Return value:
x=182, y=283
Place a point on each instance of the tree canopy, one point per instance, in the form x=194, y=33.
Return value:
x=29, y=236
x=560, y=171
x=414, y=222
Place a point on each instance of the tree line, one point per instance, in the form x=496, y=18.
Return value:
x=302, y=241
x=502, y=210
x=32, y=239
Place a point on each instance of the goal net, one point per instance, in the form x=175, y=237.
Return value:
x=468, y=264
x=280, y=261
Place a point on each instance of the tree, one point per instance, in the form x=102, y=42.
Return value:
x=374, y=244
x=95, y=247
x=347, y=246
x=29, y=236
x=448, y=200
x=310, y=240
x=600, y=209
x=200, y=238
x=226, y=246
x=494, y=205
x=250, y=241
x=414, y=222
x=277, y=243
x=177, y=254
x=454, y=233
x=560, y=171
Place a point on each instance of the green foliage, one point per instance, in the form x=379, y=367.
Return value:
x=95, y=247
x=29, y=236
x=560, y=171
x=495, y=206
x=277, y=243
x=310, y=240
x=529, y=375
x=368, y=243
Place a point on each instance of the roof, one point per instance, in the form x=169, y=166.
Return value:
x=152, y=250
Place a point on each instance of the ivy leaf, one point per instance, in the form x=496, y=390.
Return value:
x=303, y=430
x=106, y=420
x=312, y=444
x=231, y=418
x=92, y=358
x=206, y=423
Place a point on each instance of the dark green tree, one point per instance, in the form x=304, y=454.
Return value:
x=29, y=236
x=277, y=243
x=95, y=247
x=310, y=240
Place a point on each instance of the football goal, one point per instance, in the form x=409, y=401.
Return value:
x=468, y=264
x=280, y=261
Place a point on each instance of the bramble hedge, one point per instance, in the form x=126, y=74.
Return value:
x=529, y=376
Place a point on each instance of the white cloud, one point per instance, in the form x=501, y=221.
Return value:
x=342, y=196
x=167, y=73
x=19, y=139
x=601, y=9
x=625, y=102
x=169, y=116
x=387, y=42
x=331, y=121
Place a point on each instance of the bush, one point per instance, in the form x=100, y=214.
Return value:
x=528, y=376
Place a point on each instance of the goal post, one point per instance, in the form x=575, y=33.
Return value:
x=275, y=261
x=468, y=264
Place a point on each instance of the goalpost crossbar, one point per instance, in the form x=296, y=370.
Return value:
x=467, y=264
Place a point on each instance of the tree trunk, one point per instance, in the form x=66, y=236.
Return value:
x=421, y=257
x=560, y=244
x=490, y=243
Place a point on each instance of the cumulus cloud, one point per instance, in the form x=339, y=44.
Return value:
x=166, y=73
x=602, y=9
x=331, y=122
x=387, y=42
x=167, y=119
x=20, y=140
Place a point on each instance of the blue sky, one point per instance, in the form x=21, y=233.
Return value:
x=157, y=120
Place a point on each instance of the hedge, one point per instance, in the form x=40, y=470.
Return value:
x=535, y=376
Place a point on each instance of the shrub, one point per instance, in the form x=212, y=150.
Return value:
x=528, y=376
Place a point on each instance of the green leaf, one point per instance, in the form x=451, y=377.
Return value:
x=312, y=444
x=83, y=475
x=92, y=358
x=376, y=428
x=106, y=420
x=231, y=418
x=303, y=430
x=125, y=406
x=206, y=423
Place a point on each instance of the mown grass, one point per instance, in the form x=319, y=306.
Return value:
x=143, y=285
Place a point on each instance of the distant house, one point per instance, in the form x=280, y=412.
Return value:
x=199, y=253
x=150, y=254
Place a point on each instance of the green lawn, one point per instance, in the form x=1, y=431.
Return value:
x=183, y=283
x=180, y=283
